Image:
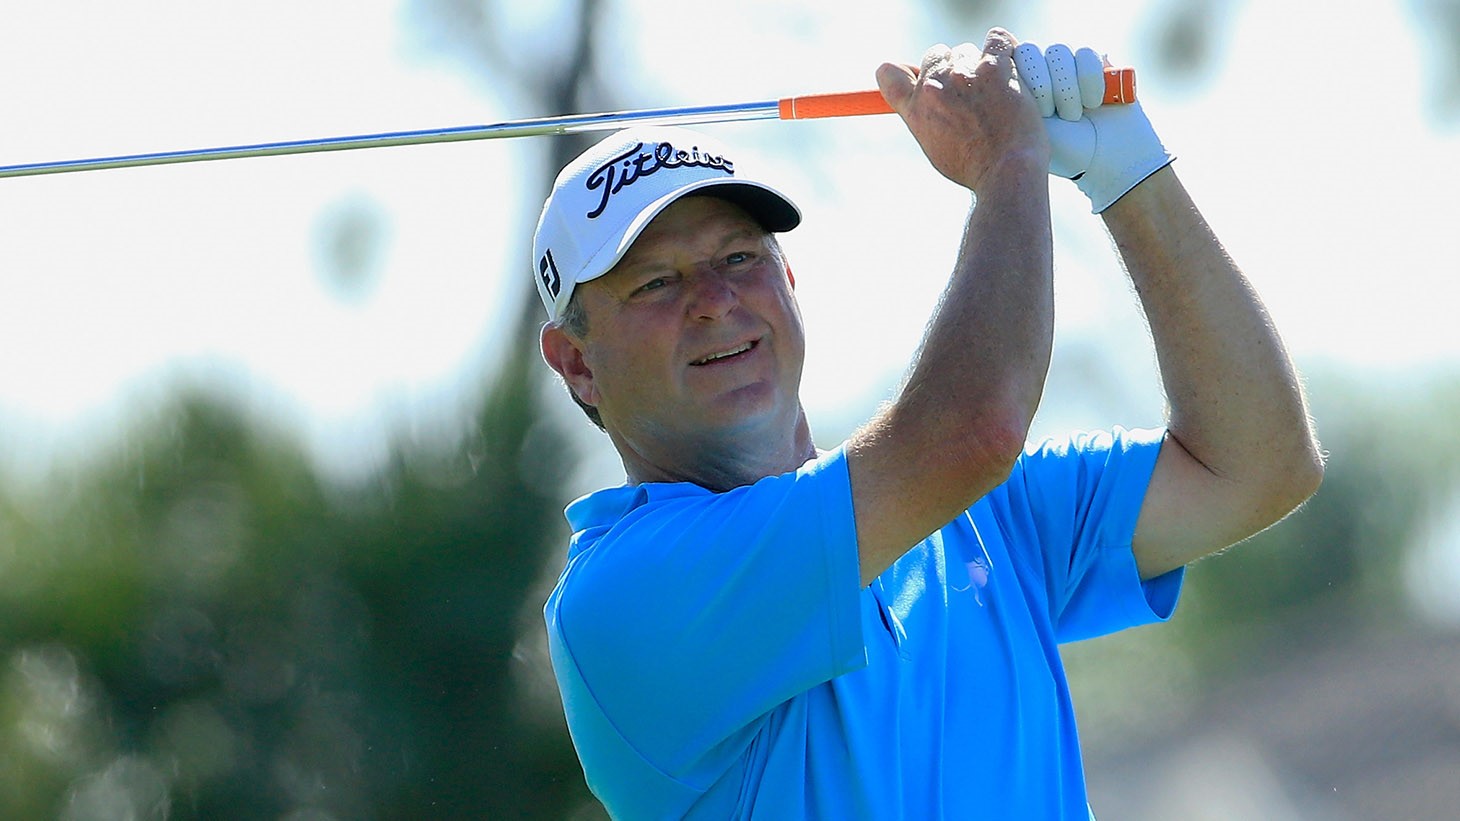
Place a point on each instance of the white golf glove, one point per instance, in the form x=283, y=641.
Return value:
x=1106, y=150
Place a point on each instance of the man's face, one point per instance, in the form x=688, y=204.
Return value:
x=696, y=331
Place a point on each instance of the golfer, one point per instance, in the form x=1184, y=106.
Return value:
x=752, y=628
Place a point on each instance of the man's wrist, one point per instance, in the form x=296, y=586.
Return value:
x=1156, y=193
x=1017, y=172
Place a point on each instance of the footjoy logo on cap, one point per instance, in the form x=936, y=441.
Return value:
x=636, y=163
x=548, y=270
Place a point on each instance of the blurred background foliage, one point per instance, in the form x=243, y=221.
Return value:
x=195, y=624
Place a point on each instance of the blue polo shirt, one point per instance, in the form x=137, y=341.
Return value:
x=718, y=657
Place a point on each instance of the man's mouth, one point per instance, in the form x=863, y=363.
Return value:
x=715, y=357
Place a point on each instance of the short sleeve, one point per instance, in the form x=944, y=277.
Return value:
x=691, y=613
x=1076, y=503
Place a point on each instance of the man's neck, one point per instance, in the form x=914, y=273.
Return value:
x=720, y=464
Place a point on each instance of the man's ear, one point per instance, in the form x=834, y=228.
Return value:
x=564, y=354
x=790, y=276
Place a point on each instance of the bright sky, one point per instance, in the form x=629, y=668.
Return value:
x=1332, y=189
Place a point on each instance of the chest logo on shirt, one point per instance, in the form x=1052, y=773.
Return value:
x=978, y=578
x=975, y=559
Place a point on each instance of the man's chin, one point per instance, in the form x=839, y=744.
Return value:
x=756, y=410
x=753, y=406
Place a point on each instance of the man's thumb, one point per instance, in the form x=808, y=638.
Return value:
x=896, y=82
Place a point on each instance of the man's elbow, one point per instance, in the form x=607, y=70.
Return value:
x=1308, y=466
x=987, y=449
x=975, y=448
x=1293, y=481
x=1309, y=477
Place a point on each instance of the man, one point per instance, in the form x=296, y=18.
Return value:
x=751, y=629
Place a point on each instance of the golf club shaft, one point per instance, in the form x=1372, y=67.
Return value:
x=1119, y=84
x=515, y=128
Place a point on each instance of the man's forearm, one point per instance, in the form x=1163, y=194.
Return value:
x=959, y=422
x=990, y=340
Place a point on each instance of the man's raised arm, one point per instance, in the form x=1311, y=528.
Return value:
x=960, y=420
x=1240, y=452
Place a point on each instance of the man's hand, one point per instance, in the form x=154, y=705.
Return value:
x=966, y=110
x=1106, y=150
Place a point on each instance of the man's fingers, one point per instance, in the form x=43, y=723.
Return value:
x=1034, y=74
x=1091, y=69
x=966, y=56
x=1061, y=81
x=999, y=43
x=896, y=82
x=1065, y=85
x=936, y=56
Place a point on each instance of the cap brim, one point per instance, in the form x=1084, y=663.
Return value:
x=765, y=205
x=773, y=210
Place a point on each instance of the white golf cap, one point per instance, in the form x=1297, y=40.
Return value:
x=603, y=199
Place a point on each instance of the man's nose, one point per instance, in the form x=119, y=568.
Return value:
x=713, y=296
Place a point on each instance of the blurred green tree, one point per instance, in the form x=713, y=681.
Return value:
x=198, y=618
x=196, y=626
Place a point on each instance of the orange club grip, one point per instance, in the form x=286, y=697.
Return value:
x=1120, y=87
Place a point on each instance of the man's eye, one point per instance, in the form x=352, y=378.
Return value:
x=652, y=285
x=738, y=258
